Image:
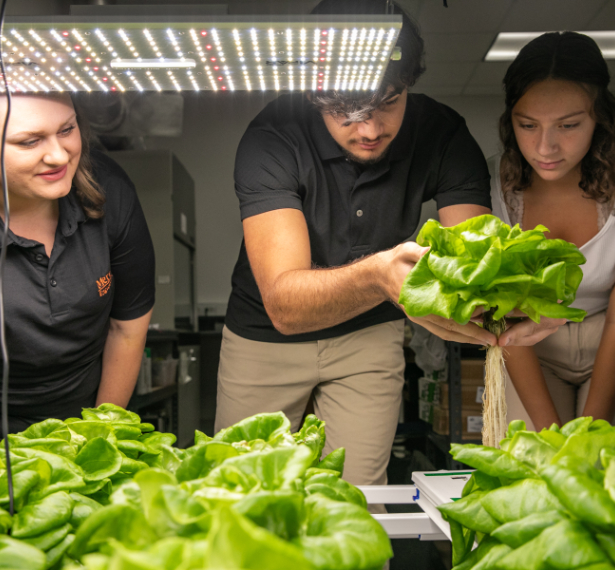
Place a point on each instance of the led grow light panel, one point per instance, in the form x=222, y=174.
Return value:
x=222, y=56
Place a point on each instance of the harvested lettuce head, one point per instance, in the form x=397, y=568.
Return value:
x=483, y=262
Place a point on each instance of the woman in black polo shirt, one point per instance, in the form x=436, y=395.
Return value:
x=79, y=274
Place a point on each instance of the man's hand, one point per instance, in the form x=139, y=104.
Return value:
x=448, y=329
x=399, y=261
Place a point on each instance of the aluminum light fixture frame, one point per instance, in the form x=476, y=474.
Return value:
x=507, y=45
x=213, y=53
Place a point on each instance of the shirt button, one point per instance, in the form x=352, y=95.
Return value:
x=359, y=213
x=39, y=257
x=53, y=282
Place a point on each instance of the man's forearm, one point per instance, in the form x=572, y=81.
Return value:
x=302, y=301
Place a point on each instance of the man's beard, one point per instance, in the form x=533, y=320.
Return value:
x=369, y=161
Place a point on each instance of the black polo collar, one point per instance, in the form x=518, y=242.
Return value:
x=71, y=215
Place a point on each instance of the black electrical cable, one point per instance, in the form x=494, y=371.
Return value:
x=5, y=233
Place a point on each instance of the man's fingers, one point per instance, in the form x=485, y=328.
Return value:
x=412, y=251
x=448, y=329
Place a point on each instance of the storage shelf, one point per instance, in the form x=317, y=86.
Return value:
x=157, y=395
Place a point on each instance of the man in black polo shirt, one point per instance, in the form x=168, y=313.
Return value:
x=329, y=187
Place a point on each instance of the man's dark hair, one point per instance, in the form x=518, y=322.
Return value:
x=358, y=106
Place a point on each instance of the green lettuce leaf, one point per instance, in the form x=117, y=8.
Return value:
x=342, y=536
x=122, y=523
x=312, y=434
x=334, y=461
x=469, y=512
x=329, y=484
x=203, y=458
x=235, y=543
x=268, y=470
x=111, y=413
x=42, y=516
x=18, y=555
x=483, y=262
x=270, y=428
x=280, y=512
x=98, y=459
x=49, y=539
x=564, y=546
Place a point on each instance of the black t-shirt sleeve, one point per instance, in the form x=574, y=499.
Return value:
x=266, y=173
x=463, y=176
x=130, y=244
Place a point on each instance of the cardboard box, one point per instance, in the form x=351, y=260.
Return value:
x=429, y=390
x=472, y=371
x=472, y=422
x=471, y=396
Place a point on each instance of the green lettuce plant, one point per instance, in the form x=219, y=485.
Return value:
x=108, y=492
x=485, y=264
x=538, y=503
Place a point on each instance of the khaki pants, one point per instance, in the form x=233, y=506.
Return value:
x=567, y=360
x=356, y=379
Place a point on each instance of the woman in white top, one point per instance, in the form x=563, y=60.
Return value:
x=558, y=169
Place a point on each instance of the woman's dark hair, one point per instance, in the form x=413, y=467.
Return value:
x=567, y=56
x=89, y=192
x=400, y=74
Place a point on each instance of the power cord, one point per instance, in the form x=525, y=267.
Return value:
x=5, y=233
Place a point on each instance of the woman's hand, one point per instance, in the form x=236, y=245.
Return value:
x=526, y=332
x=521, y=330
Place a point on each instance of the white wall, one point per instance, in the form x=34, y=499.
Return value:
x=213, y=126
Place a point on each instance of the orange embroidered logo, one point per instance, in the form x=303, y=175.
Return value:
x=104, y=284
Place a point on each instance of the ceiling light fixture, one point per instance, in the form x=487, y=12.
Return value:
x=507, y=45
x=189, y=54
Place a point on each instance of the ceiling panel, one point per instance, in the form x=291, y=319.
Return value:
x=457, y=47
x=411, y=7
x=604, y=19
x=484, y=90
x=463, y=16
x=443, y=91
x=550, y=15
x=439, y=74
x=489, y=73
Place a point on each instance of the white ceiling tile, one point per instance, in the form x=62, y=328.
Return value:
x=463, y=16
x=550, y=15
x=489, y=73
x=604, y=19
x=411, y=7
x=471, y=89
x=439, y=74
x=443, y=91
x=457, y=47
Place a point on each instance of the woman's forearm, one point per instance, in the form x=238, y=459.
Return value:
x=122, y=358
x=600, y=402
x=529, y=381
